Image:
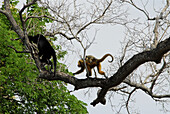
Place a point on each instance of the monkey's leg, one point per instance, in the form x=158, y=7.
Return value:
x=45, y=61
x=95, y=73
x=101, y=72
x=105, y=76
x=88, y=71
x=41, y=59
x=49, y=63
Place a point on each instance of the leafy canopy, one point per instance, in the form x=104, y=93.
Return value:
x=20, y=89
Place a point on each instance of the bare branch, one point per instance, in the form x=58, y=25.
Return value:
x=133, y=4
x=29, y=17
x=62, y=34
x=127, y=103
x=95, y=20
x=145, y=89
x=158, y=74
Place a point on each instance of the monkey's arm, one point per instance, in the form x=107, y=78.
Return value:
x=79, y=71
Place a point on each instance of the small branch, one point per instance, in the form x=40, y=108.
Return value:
x=127, y=103
x=45, y=17
x=16, y=39
x=145, y=89
x=3, y=11
x=158, y=74
x=117, y=89
x=95, y=20
x=22, y=10
x=27, y=5
x=132, y=3
x=25, y=51
x=164, y=32
x=164, y=9
x=124, y=52
x=62, y=34
x=68, y=38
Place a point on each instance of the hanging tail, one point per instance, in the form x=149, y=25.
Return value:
x=55, y=62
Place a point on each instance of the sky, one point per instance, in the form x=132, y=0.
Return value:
x=108, y=40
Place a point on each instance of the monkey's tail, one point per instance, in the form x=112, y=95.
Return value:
x=55, y=62
x=104, y=57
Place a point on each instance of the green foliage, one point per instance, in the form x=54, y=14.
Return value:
x=21, y=91
x=33, y=24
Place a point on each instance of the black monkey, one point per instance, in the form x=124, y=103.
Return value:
x=45, y=50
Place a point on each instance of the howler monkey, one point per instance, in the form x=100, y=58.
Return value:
x=91, y=62
x=45, y=50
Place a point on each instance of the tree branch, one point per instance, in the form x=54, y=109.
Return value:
x=133, y=4
x=154, y=55
x=25, y=51
x=95, y=20
x=146, y=90
x=22, y=10
x=127, y=103
x=8, y=14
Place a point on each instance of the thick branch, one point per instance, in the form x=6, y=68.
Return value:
x=8, y=14
x=153, y=55
x=78, y=83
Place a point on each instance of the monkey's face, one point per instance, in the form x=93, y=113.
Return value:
x=80, y=63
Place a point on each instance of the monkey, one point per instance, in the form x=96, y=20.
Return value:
x=91, y=62
x=45, y=50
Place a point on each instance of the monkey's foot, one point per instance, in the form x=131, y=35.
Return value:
x=105, y=76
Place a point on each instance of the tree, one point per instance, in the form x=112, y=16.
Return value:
x=20, y=89
x=72, y=22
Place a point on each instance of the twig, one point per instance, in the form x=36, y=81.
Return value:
x=127, y=103
x=25, y=51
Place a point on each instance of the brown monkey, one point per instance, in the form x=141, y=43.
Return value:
x=91, y=62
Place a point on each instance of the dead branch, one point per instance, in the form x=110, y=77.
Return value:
x=95, y=20
x=145, y=89
x=127, y=103
x=132, y=3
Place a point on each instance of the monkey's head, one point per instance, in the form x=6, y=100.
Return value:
x=32, y=39
x=80, y=63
